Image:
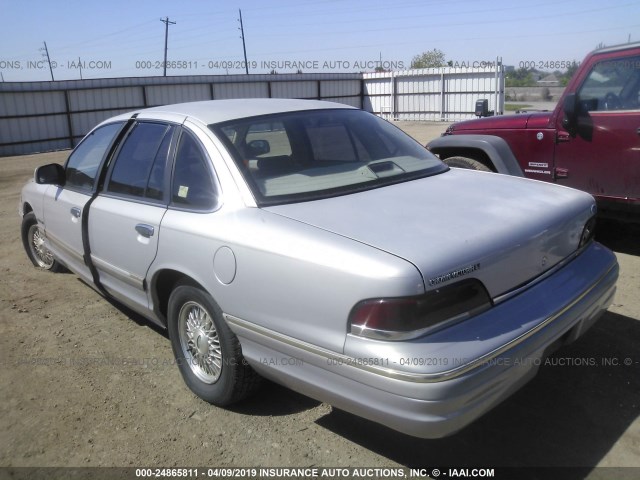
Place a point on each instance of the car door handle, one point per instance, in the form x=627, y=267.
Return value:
x=145, y=230
x=76, y=212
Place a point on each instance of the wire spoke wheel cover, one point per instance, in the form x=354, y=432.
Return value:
x=208, y=353
x=41, y=253
x=34, y=243
x=200, y=342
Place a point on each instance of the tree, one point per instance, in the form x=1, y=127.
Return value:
x=431, y=59
x=522, y=77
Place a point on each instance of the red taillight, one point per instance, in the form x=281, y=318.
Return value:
x=376, y=314
x=410, y=317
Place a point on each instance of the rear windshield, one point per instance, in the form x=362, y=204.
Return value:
x=299, y=156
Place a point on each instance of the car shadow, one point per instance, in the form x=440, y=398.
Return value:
x=273, y=400
x=619, y=236
x=571, y=414
x=140, y=320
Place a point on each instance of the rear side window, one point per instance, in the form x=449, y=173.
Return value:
x=140, y=167
x=193, y=186
x=82, y=166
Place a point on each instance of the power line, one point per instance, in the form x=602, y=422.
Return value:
x=166, y=39
x=98, y=39
x=325, y=32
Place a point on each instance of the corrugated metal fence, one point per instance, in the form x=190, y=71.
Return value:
x=441, y=94
x=44, y=116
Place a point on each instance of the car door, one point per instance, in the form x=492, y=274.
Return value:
x=603, y=158
x=124, y=221
x=63, y=206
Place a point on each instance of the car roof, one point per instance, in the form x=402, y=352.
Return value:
x=216, y=111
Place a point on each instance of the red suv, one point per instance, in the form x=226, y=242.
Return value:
x=590, y=141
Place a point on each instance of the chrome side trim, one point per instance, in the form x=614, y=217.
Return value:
x=122, y=275
x=407, y=376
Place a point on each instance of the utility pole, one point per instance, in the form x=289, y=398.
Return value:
x=46, y=54
x=166, y=38
x=244, y=48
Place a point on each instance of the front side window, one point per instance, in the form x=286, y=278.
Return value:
x=308, y=155
x=192, y=186
x=139, y=169
x=82, y=166
x=612, y=85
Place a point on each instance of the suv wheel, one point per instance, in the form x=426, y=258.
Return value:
x=468, y=163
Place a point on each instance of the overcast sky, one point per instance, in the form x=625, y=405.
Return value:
x=117, y=38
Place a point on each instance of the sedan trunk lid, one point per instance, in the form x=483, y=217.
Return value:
x=504, y=231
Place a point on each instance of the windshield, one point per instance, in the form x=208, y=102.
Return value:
x=299, y=156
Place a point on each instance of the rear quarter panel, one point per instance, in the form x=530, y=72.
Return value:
x=291, y=278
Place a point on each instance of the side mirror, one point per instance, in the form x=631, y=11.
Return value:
x=51, y=174
x=570, y=108
x=259, y=147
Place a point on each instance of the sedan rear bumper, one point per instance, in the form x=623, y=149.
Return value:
x=434, y=386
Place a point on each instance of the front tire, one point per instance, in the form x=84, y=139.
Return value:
x=207, y=352
x=468, y=163
x=33, y=240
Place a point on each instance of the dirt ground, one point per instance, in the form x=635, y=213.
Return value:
x=76, y=390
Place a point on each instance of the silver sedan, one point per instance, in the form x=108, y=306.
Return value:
x=317, y=245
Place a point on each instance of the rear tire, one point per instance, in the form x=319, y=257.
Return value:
x=207, y=351
x=33, y=239
x=468, y=163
